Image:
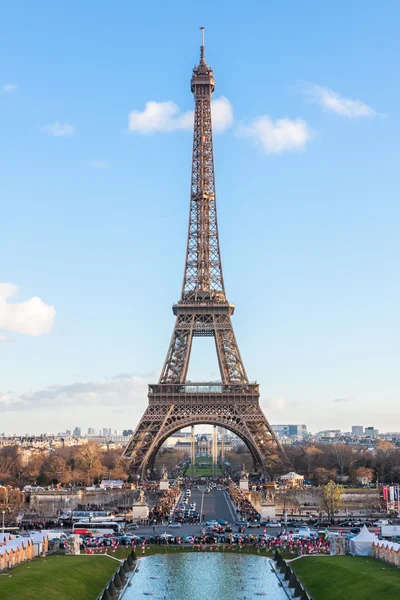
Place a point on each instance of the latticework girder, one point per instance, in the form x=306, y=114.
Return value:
x=203, y=310
x=244, y=418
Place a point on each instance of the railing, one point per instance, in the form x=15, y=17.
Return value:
x=203, y=388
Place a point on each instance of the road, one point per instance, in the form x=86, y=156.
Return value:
x=214, y=506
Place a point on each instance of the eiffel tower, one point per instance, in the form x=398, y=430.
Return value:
x=203, y=310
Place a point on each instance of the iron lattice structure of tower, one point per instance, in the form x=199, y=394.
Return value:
x=203, y=310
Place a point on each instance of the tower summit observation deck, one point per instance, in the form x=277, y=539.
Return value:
x=203, y=310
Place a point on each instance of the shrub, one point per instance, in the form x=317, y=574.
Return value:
x=293, y=580
x=112, y=590
x=126, y=566
x=298, y=589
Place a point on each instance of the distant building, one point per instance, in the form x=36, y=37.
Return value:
x=289, y=430
x=177, y=437
x=357, y=430
x=371, y=432
x=91, y=431
x=77, y=432
x=126, y=432
x=328, y=435
x=111, y=484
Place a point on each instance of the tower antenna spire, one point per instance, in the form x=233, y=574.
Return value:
x=202, y=53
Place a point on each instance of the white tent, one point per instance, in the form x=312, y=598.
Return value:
x=361, y=544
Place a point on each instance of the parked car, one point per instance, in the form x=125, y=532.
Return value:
x=175, y=525
x=124, y=539
x=254, y=524
x=380, y=522
x=242, y=523
x=320, y=524
x=265, y=536
x=305, y=535
x=355, y=530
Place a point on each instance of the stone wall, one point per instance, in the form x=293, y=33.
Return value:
x=53, y=502
x=355, y=500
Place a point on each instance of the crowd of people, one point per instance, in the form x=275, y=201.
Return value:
x=162, y=508
x=38, y=524
x=298, y=547
x=285, y=544
x=242, y=504
x=89, y=507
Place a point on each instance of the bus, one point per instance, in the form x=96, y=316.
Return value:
x=88, y=515
x=102, y=528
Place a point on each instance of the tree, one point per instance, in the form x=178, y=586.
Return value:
x=89, y=456
x=52, y=469
x=385, y=454
x=322, y=475
x=312, y=453
x=343, y=456
x=10, y=463
x=31, y=470
x=364, y=475
x=331, y=498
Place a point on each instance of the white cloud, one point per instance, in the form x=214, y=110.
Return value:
x=120, y=391
x=60, y=129
x=334, y=102
x=278, y=136
x=97, y=164
x=8, y=88
x=166, y=116
x=32, y=317
x=4, y=338
x=222, y=114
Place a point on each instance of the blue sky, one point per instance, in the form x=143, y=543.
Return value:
x=94, y=204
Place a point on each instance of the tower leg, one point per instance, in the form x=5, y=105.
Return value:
x=214, y=451
x=192, y=452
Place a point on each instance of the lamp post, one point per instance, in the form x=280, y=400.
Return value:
x=3, y=513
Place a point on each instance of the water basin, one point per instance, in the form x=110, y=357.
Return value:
x=204, y=576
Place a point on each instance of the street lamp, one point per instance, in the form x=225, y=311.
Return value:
x=3, y=513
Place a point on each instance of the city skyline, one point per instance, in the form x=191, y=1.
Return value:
x=306, y=193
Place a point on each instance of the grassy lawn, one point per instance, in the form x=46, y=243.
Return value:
x=202, y=471
x=339, y=577
x=57, y=577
